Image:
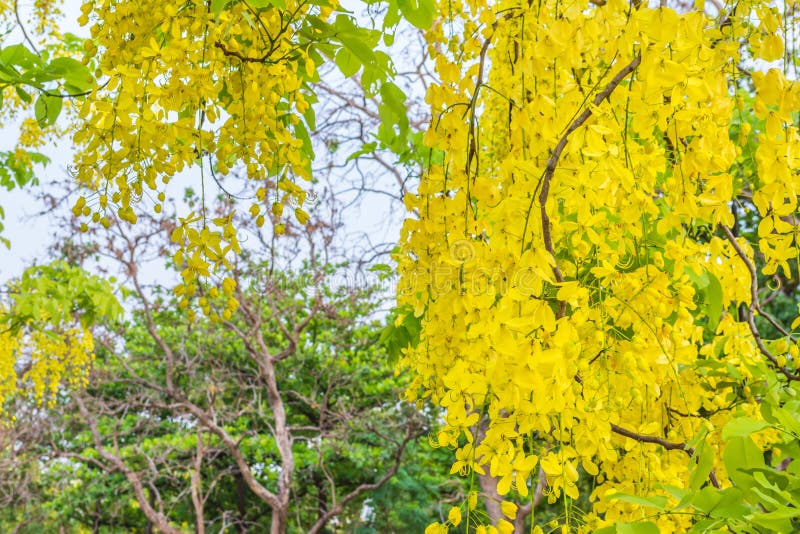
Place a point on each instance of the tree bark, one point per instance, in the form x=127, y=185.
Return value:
x=491, y=499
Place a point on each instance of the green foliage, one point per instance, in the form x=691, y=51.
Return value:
x=340, y=393
x=15, y=173
x=59, y=293
x=27, y=71
x=420, y=13
x=401, y=331
x=50, y=80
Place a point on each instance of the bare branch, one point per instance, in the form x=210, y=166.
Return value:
x=339, y=506
x=156, y=518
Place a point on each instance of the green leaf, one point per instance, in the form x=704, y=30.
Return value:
x=777, y=521
x=46, y=109
x=395, y=98
x=742, y=426
x=54, y=105
x=392, y=16
x=23, y=94
x=731, y=505
x=359, y=49
x=706, y=526
x=714, y=301
x=742, y=453
x=418, y=12
x=19, y=55
x=301, y=133
x=787, y=417
x=40, y=110
x=394, y=116
x=366, y=148
x=674, y=491
x=38, y=157
x=347, y=62
x=73, y=72
x=265, y=4
x=384, y=271
x=706, y=499
x=217, y=6
x=311, y=118
x=358, y=41
x=656, y=501
x=637, y=528
x=701, y=464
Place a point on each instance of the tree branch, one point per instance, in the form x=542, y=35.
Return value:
x=669, y=445
x=755, y=306
x=552, y=161
x=339, y=506
x=156, y=518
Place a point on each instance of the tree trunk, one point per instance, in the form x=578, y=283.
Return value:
x=491, y=498
x=279, y=521
x=241, y=502
x=322, y=495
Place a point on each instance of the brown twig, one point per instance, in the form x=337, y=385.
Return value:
x=339, y=506
x=755, y=306
x=241, y=57
x=669, y=445
x=642, y=438
x=552, y=161
x=472, y=144
x=22, y=28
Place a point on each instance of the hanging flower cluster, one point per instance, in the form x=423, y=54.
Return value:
x=587, y=301
x=204, y=87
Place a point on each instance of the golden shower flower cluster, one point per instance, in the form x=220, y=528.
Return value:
x=39, y=361
x=46, y=341
x=604, y=150
x=204, y=88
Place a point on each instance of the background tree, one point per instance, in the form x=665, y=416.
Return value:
x=283, y=416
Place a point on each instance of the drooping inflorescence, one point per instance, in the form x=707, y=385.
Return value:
x=618, y=181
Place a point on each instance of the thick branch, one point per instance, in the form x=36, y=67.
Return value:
x=472, y=144
x=233, y=448
x=158, y=520
x=642, y=438
x=552, y=161
x=198, y=500
x=669, y=445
